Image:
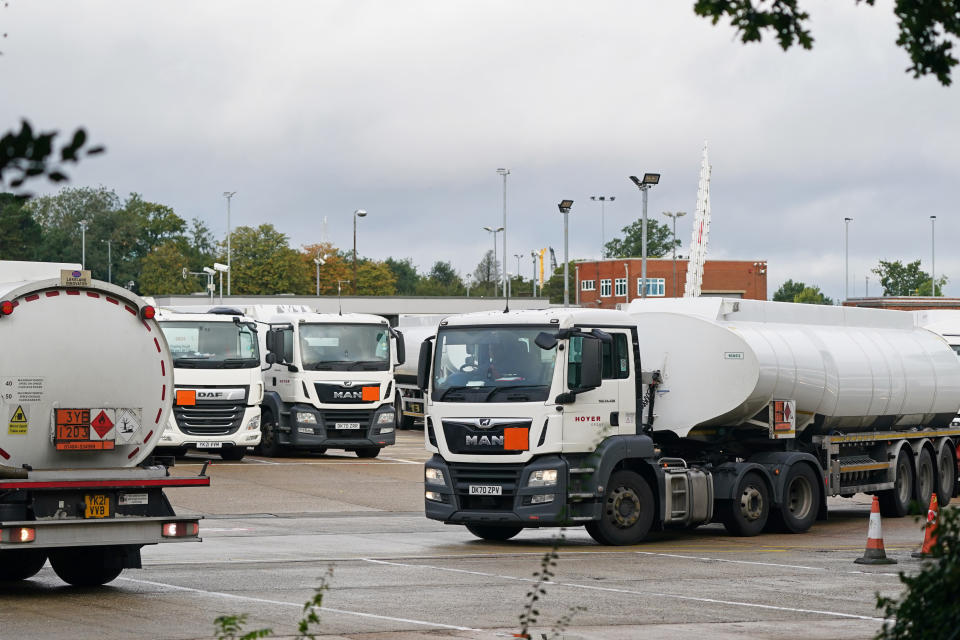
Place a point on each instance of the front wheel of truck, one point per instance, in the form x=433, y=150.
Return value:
x=492, y=532
x=86, y=566
x=20, y=564
x=368, y=452
x=627, y=511
x=269, y=445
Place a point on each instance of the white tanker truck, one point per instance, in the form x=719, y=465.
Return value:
x=682, y=412
x=86, y=386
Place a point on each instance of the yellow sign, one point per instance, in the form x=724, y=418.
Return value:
x=18, y=422
x=75, y=277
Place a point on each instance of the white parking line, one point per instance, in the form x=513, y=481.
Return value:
x=299, y=606
x=763, y=564
x=571, y=585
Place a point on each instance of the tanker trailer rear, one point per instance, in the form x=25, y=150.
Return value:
x=86, y=382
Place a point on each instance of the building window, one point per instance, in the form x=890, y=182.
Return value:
x=588, y=285
x=621, y=287
x=605, y=288
x=655, y=287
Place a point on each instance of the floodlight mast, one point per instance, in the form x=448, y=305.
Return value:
x=565, y=206
x=649, y=179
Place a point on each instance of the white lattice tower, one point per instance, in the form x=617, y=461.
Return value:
x=701, y=231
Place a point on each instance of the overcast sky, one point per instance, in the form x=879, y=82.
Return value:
x=312, y=109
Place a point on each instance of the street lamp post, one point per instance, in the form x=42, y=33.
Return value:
x=228, y=195
x=221, y=268
x=564, y=207
x=109, y=260
x=534, y=255
x=359, y=213
x=517, y=256
x=933, y=257
x=83, y=244
x=504, y=172
x=674, y=215
x=846, y=258
x=318, y=261
x=649, y=179
x=603, y=231
x=494, y=267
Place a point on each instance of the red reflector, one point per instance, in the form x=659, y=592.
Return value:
x=180, y=529
x=6, y=307
x=147, y=312
x=21, y=534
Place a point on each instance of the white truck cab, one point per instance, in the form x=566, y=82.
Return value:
x=218, y=383
x=329, y=382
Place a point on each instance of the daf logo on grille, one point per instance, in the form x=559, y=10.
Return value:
x=484, y=423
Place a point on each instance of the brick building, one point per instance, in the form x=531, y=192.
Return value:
x=606, y=283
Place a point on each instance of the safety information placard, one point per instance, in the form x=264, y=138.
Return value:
x=19, y=420
x=21, y=389
x=74, y=431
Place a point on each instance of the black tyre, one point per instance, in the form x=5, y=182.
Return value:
x=627, y=511
x=233, y=453
x=320, y=451
x=926, y=482
x=368, y=452
x=895, y=502
x=946, y=474
x=269, y=444
x=801, y=501
x=86, y=566
x=20, y=565
x=493, y=532
x=403, y=422
x=747, y=513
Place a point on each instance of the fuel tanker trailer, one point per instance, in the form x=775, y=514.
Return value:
x=676, y=413
x=86, y=384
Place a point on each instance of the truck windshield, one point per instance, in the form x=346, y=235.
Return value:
x=211, y=345
x=345, y=347
x=491, y=365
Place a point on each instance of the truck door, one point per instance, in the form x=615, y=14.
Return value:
x=610, y=408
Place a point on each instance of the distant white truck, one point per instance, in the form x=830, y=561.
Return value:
x=409, y=402
x=329, y=382
x=86, y=386
x=218, y=383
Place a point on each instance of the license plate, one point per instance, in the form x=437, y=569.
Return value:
x=486, y=490
x=346, y=425
x=209, y=445
x=97, y=506
x=418, y=408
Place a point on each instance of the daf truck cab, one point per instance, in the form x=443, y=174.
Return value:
x=218, y=383
x=329, y=382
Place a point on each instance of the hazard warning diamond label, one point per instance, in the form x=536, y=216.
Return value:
x=102, y=423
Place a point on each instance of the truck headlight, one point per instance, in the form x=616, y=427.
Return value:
x=543, y=478
x=254, y=423
x=433, y=476
x=306, y=418
x=387, y=417
x=433, y=496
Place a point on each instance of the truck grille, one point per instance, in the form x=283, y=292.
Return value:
x=505, y=475
x=333, y=416
x=467, y=436
x=210, y=418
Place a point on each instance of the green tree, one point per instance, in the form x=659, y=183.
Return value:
x=485, y=275
x=25, y=155
x=928, y=28
x=162, y=272
x=788, y=291
x=375, y=279
x=336, y=267
x=659, y=241
x=264, y=264
x=405, y=275
x=812, y=295
x=442, y=280
x=19, y=232
x=898, y=279
x=928, y=609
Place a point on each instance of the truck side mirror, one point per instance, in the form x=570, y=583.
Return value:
x=546, y=341
x=270, y=358
x=401, y=348
x=591, y=375
x=423, y=365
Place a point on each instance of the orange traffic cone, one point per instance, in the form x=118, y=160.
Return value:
x=930, y=535
x=875, y=553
